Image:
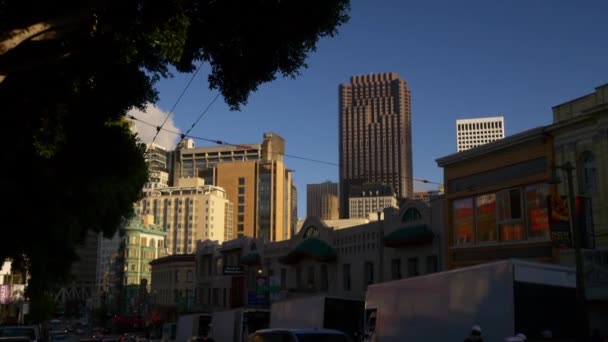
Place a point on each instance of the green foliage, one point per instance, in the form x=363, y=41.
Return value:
x=72, y=163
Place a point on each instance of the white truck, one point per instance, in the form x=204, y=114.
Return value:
x=188, y=326
x=235, y=325
x=318, y=312
x=504, y=298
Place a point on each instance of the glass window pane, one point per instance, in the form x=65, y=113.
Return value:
x=511, y=231
x=537, y=211
x=515, y=203
x=486, y=218
x=463, y=221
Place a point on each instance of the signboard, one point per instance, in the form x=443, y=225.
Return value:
x=234, y=270
x=559, y=221
x=5, y=294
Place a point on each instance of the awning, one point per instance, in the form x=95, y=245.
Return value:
x=251, y=259
x=409, y=236
x=312, y=248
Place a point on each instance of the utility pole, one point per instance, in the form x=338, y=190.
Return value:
x=581, y=314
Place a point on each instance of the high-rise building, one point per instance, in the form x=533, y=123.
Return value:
x=322, y=200
x=375, y=135
x=367, y=200
x=190, y=211
x=255, y=180
x=474, y=132
x=159, y=164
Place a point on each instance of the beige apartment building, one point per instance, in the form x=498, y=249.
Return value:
x=173, y=283
x=190, y=211
x=255, y=180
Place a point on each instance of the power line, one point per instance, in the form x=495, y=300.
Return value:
x=159, y=128
x=202, y=114
x=225, y=143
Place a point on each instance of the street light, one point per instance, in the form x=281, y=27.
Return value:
x=581, y=314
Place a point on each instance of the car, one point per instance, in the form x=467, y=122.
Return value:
x=30, y=331
x=299, y=335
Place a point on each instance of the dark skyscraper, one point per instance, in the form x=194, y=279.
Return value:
x=375, y=134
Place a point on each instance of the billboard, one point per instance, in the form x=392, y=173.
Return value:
x=559, y=221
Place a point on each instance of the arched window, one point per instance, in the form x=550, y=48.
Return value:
x=311, y=231
x=588, y=173
x=411, y=215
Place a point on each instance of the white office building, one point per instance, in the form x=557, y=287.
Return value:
x=474, y=132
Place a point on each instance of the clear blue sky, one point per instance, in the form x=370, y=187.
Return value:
x=460, y=59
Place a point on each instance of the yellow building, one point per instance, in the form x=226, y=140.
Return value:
x=255, y=179
x=190, y=211
x=580, y=130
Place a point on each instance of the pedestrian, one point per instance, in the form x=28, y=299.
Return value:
x=475, y=335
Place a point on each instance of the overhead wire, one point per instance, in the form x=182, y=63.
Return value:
x=225, y=143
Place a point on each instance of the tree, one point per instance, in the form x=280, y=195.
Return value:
x=70, y=70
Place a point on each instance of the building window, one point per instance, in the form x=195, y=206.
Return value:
x=241, y=218
x=463, y=221
x=368, y=273
x=588, y=173
x=396, y=269
x=241, y=199
x=240, y=227
x=346, y=277
x=486, y=218
x=510, y=222
x=176, y=276
x=411, y=215
x=324, y=278
x=431, y=264
x=537, y=211
x=189, y=276
x=241, y=181
x=241, y=209
x=412, y=267
x=241, y=191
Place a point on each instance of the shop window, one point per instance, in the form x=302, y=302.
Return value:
x=510, y=222
x=536, y=210
x=486, y=218
x=463, y=221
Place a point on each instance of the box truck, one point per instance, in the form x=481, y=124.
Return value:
x=235, y=325
x=504, y=298
x=321, y=311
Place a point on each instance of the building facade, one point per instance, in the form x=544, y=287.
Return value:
x=321, y=260
x=255, y=179
x=474, y=132
x=496, y=200
x=367, y=200
x=580, y=128
x=159, y=163
x=173, y=284
x=142, y=242
x=427, y=196
x=375, y=134
x=188, y=212
x=322, y=200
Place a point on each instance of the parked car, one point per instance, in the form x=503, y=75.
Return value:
x=30, y=331
x=299, y=335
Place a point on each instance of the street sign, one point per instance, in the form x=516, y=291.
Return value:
x=234, y=270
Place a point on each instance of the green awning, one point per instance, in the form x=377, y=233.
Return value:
x=252, y=258
x=312, y=248
x=409, y=236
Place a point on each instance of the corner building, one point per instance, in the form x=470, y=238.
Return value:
x=375, y=135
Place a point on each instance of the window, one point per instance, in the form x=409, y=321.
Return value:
x=396, y=269
x=176, y=276
x=537, y=211
x=283, y=279
x=346, y=277
x=588, y=173
x=189, y=276
x=486, y=217
x=368, y=273
x=412, y=267
x=311, y=277
x=431, y=264
x=240, y=227
x=241, y=191
x=241, y=181
x=510, y=222
x=324, y=278
x=463, y=221
x=411, y=215
x=241, y=209
x=241, y=199
x=241, y=218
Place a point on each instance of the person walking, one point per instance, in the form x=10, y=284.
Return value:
x=475, y=335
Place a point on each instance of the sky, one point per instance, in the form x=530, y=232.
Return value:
x=460, y=59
